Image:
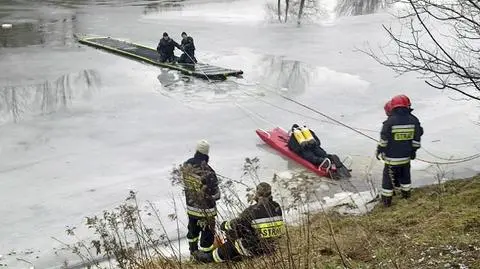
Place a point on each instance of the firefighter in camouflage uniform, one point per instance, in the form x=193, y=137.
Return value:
x=201, y=192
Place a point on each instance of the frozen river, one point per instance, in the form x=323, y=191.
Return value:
x=80, y=127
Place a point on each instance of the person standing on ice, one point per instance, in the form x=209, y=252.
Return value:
x=253, y=233
x=305, y=143
x=166, y=48
x=188, y=48
x=201, y=193
x=399, y=141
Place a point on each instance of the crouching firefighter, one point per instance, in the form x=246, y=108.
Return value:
x=304, y=142
x=399, y=142
x=201, y=192
x=253, y=233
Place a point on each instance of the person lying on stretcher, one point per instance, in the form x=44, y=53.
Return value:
x=305, y=143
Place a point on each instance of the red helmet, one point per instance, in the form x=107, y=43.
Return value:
x=405, y=98
x=400, y=101
x=388, y=108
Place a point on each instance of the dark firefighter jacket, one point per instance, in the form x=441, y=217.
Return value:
x=188, y=46
x=400, y=137
x=166, y=47
x=294, y=146
x=256, y=229
x=201, y=186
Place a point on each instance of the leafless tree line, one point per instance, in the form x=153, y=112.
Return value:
x=441, y=41
x=359, y=7
x=293, y=75
x=46, y=97
x=295, y=8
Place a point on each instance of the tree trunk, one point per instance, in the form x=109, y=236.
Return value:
x=279, y=11
x=287, y=5
x=14, y=104
x=300, y=11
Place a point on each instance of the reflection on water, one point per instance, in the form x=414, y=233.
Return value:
x=162, y=6
x=279, y=73
x=114, y=3
x=273, y=74
x=40, y=31
x=359, y=7
x=47, y=97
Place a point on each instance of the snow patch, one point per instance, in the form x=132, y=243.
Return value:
x=285, y=175
x=343, y=202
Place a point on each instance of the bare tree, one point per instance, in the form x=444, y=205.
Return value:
x=279, y=10
x=298, y=8
x=359, y=7
x=300, y=11
x=441, y=41
x=287, y=6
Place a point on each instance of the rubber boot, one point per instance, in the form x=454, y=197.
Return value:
x=203, y=257
x=193, y=246
x=387, y=201
x=406, y=194
x=345, y=172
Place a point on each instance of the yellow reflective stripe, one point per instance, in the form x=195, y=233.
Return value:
x=405, y=187
x=216, y=257
x=241, y=249
x=192, y=240
x=269, y=219
x=403, y=130
x=396, y=161
x=387, y=193
x=228, y=225
x=200, y=212
x=268, y=224
x=404, y=126
x=207, y=249
x=196, y=214
x=416, y=144
x=270, y=229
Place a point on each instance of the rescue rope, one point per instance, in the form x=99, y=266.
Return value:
x=357, y=130
x=295, y=112
x=460, y=160
x=447, y=162
x=250, y=112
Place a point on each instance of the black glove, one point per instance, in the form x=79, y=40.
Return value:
x=413, y=155
x=379, y=155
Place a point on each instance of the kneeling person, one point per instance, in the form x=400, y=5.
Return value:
x=253, y=233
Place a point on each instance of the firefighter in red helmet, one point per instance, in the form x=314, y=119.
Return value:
x=388, y=108
x=399, y=141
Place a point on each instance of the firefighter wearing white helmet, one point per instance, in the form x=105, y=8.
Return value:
x=201, y=192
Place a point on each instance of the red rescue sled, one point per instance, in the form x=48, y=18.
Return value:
x=278, y=139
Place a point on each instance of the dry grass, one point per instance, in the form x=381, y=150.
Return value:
x=414, y=233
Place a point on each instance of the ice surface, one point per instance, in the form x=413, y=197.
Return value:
x=125, y=132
